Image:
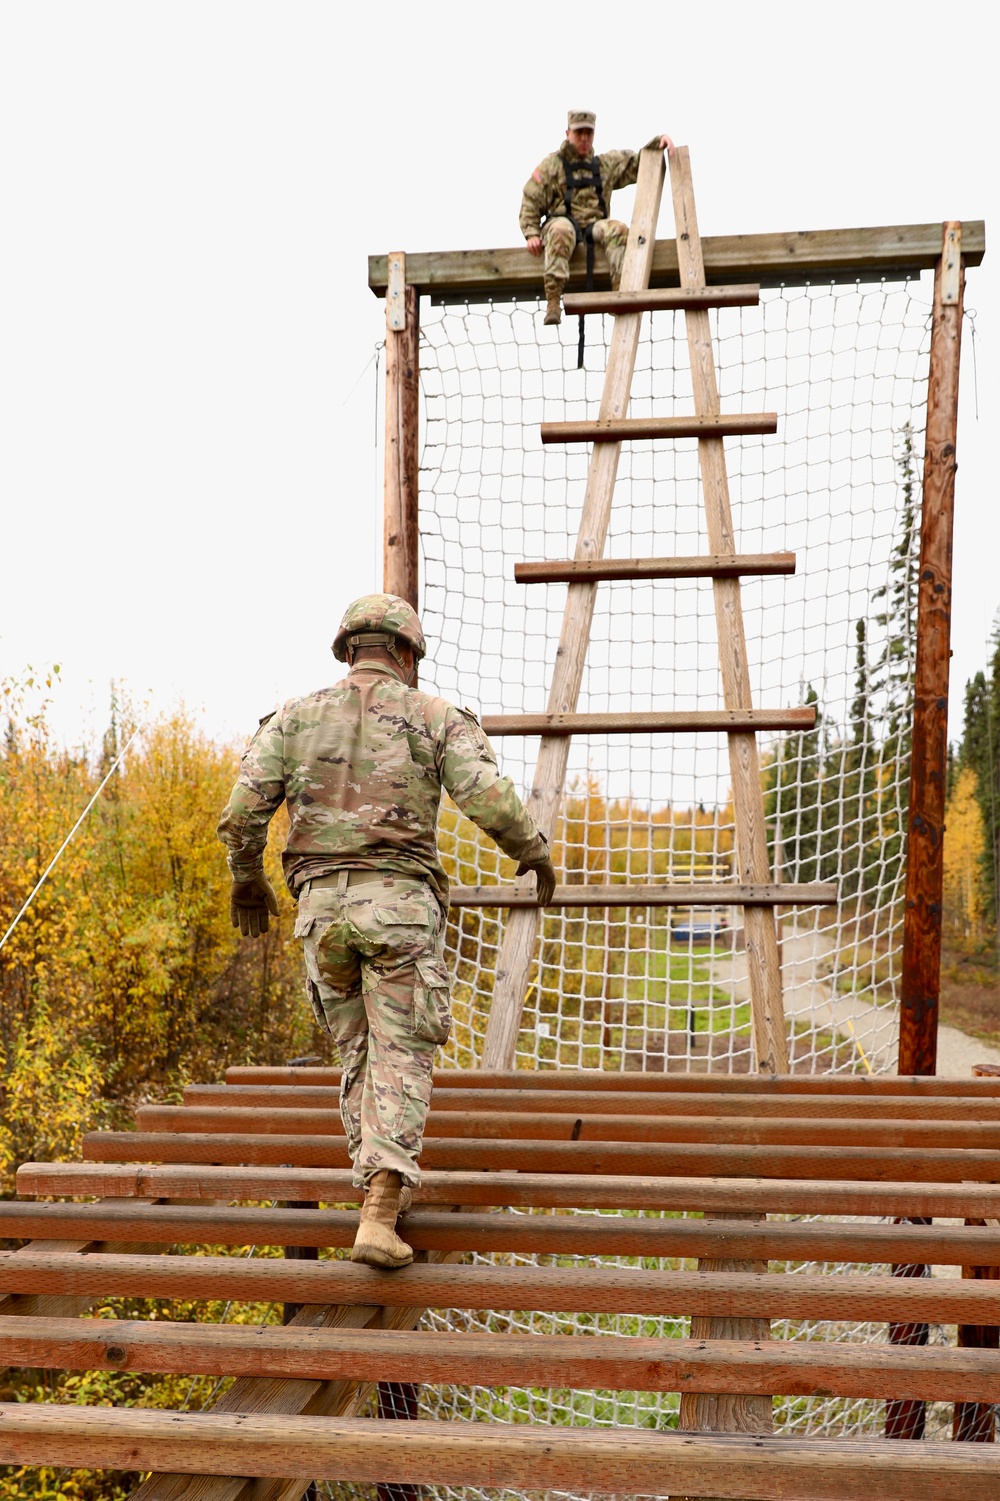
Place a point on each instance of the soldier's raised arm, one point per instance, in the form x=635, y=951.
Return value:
x=469, y=773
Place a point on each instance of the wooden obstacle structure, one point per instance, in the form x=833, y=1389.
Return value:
x=730, y=1148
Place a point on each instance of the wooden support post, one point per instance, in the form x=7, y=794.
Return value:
x=921, y=968
x=402, y=457
x=521, y=931
x=905, y=1417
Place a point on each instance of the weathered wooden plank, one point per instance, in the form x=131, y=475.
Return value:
x=638, y=429
x=570, y=1289
x=521, y=929
x=609, y=569
x=770, y=260
x=909, y=1086
x=556, y=1235
x=496, y=1455
x=792, y=1368
x=684, y=894
x=898, y=1164
x=578, y=304
x=921, y=965
x=694, y=721
x=790, y=1131
x=619, y=1102
x=401, y=522
x=522, y=1189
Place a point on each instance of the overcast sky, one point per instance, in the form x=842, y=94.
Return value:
x=190, y=191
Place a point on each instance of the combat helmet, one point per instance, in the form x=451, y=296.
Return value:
x=379, y=620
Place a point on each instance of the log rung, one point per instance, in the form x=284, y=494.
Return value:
x=634, y=429
x=661, y=299
x=525, y=1456
x=714, y=565
x=780, y=1367
x=567, y=1289
x=540, y=1234
x=525, y=1190
x=680, y=721
x=460, y=1154
x=815, y=894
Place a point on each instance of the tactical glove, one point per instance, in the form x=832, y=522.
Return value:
x=249, y=904
x=545, y=875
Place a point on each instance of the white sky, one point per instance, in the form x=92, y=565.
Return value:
x=189, y=193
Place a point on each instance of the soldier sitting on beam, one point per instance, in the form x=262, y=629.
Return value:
x=565, y=200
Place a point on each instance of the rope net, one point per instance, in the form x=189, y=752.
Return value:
x=845, y=367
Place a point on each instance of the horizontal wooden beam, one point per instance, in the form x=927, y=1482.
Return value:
x=910, y=1086
x=663, y=299
x=902, y=1164
x=496, y=1456
x=618, y=1102
x=687, y=721
x=782, y=1367
x=568, y=1289
x=770, y=260
x=539, y=1234
x=589, y=1125
x=683, y=894
x=712, y=566
x=714, y=1194
x=639, y=429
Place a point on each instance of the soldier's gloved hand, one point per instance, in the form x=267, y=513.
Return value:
x=249, y=904
x=545, y=875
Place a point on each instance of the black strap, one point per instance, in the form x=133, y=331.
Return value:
x=579, y=176
x=588, y=236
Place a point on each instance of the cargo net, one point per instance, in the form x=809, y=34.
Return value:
x=845, y=368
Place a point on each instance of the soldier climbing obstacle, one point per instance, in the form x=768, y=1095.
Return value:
x=361, y=766
x=565, y=200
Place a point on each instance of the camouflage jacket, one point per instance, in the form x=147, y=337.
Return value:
x=361, y=766
x=544, y=195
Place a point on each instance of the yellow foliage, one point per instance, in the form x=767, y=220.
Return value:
x=964, y=843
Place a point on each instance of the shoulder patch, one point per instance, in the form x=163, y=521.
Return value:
x=537, y=175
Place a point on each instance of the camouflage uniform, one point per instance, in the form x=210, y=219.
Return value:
x=543, y=207
x=361, y=766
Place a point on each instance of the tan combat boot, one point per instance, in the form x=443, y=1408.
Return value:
x=376, y=1242
x=553, y=303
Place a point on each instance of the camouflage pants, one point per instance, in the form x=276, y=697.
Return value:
x=377, y=980
x=559, y=239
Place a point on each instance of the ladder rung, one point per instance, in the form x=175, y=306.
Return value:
x=630, y=429
x=728, y=721
x=663, y=299
x=715, y=566
x=816, y=894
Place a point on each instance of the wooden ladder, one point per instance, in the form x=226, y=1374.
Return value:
x=752, y=888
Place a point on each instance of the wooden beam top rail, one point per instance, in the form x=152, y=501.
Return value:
x=687, y=721
x=785, y=1367
x=615, y=1102
x=571, y=570
x=912, y=1086
x=638, y=429
x=685, y=894
x=577, y=304
x=770, y=260
x=526, y=1456
x=589, y=1125
x=541, y=1234
x=523, y=1190
x=570, y=1289
x=455, y=1154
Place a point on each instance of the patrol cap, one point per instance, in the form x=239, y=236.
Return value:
x=581, y=119
x=381, y=619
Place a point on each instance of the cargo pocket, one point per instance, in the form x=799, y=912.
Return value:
x=431, y=1001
